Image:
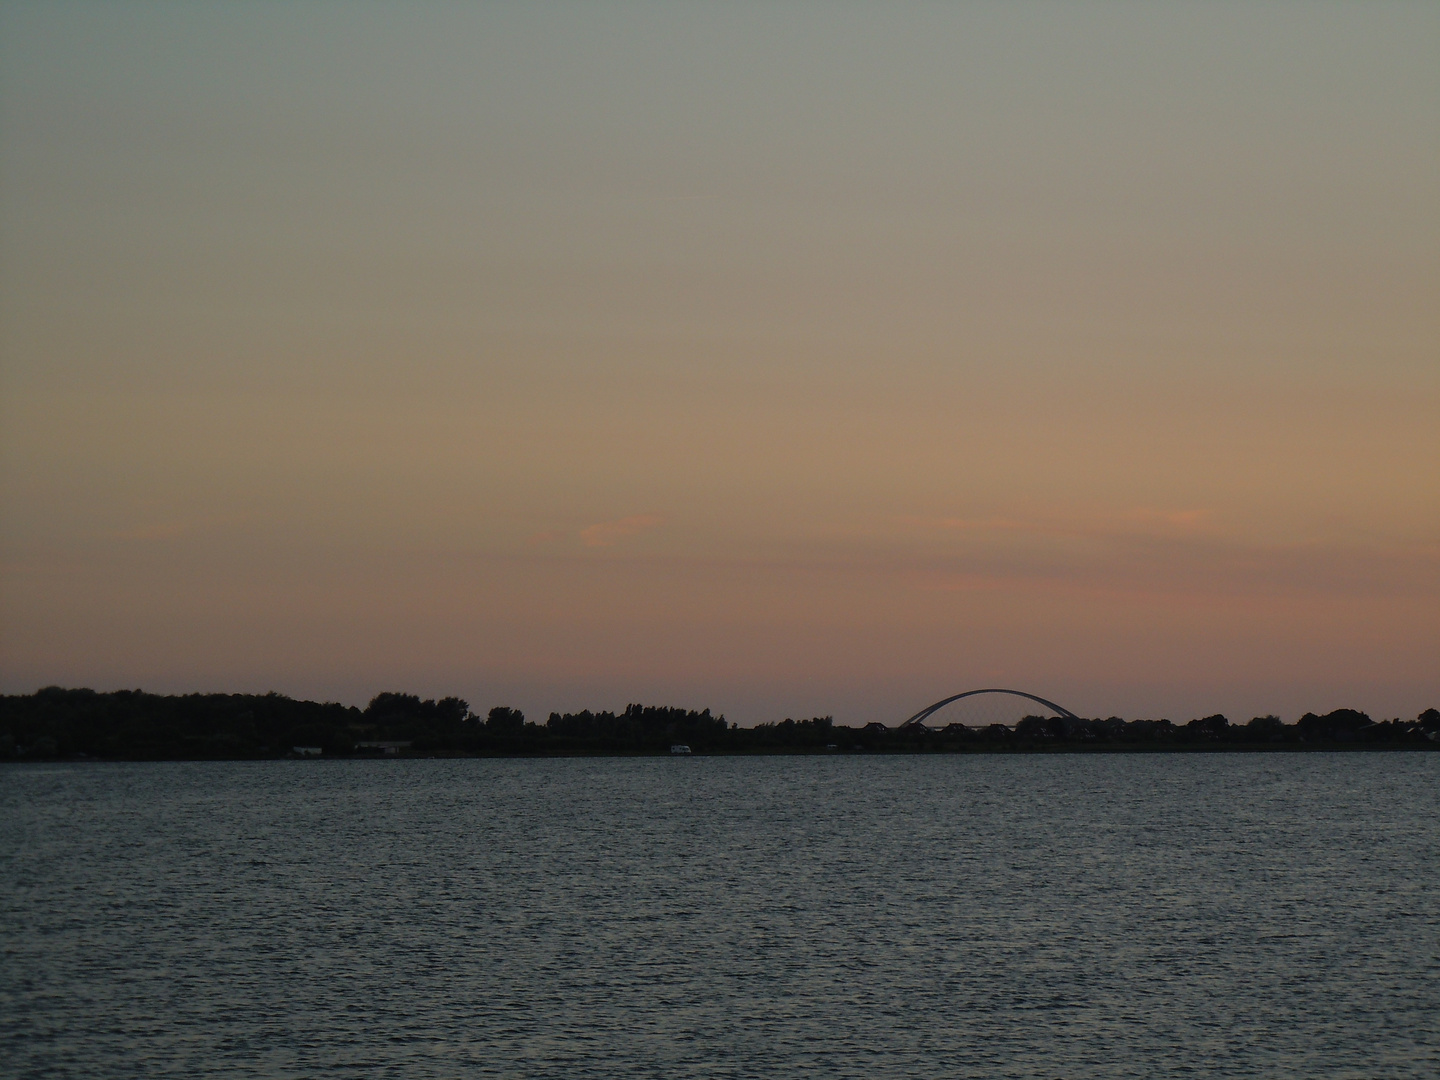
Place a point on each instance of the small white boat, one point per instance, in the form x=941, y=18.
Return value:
x=679, y=748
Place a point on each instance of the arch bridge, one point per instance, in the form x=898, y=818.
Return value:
x=918, y=720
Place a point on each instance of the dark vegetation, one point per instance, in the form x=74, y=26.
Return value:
x=133, y=725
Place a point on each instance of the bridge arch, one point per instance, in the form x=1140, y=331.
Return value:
x=918, y=720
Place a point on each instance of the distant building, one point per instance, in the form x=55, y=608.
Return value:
x=383, y=746
x=875, y=726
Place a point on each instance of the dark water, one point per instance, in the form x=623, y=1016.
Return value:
x=1066, y=916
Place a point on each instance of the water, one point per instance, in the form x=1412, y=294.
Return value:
x=1059, y=916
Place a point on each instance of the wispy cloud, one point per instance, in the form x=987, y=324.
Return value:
x=1136, y=521
x=1136, y=552
x=958, y=524
x=605, y=533
x=1159, y=566
x=177, y=528
x=1181, y=519
x=1166, y=568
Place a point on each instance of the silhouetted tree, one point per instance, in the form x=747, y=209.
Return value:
x=1266, y=728
x=387, y=705
x=1342, y=724
x=504, y=720
x=1211, y=727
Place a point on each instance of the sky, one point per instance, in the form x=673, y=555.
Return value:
x=783, y=359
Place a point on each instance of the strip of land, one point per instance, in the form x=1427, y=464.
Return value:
x=131, y=725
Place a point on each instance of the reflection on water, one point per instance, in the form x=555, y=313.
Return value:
x=1075, y=916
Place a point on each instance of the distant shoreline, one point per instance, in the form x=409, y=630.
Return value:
x=56, y=724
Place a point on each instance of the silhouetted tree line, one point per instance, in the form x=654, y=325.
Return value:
x=639, y=726
x=131, y=724
x=1338, y=728
x=56, y=722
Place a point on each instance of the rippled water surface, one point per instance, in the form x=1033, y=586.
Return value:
x=1058, y=916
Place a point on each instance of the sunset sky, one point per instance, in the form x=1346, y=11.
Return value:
x=782, y=359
